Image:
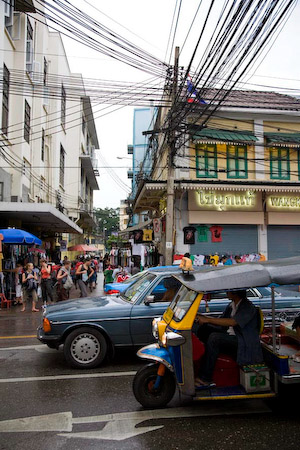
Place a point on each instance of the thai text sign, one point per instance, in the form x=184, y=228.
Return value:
x=225, y=200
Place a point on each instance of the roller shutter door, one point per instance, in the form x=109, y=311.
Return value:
x=283, y=241
x=236, y=240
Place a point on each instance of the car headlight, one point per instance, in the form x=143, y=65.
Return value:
x=155, y=326
x=172, y=339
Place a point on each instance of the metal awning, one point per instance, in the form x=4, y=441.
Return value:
x=139, y=226
x=149, y=196
x=40, y=215
x=22, y=6
x=276, y=187
x=86, y=220
x=87, y=165
x=283, y=139
x=218, y=135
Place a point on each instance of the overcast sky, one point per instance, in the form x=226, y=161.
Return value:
x=151, y=21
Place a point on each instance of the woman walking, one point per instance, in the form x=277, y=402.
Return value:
x=84, y=273
x=64, y=281
x=29, y=287
x=46, y=283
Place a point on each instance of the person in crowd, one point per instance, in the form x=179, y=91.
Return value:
x=73, y=273
x=122, y=276
x=84, y=273
x=237, y=334
x=108, y=276
x=186, y=263
x=46, y=283
x=172, y=286
x=116, y=272
x=238, y=259
x=64, y=281
x=18, y=282
x=29, y=286
x=93, y=278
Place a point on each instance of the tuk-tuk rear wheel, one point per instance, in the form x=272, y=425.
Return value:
x=144, y=391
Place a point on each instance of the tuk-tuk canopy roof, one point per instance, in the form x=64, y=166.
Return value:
x=243, y=276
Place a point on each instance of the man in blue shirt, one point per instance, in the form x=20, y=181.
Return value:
x=236, y=333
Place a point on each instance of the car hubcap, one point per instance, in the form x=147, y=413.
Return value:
x=85, y=348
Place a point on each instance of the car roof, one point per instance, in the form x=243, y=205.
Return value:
x=164, y=269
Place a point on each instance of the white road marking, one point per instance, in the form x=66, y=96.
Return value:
x=23, y=347
x=39, y=348
x=120, y=426
x=114, y=431
x=68, y=377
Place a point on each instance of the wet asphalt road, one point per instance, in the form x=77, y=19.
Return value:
x=96, y=409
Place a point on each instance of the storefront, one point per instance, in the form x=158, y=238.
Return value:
x=283, y=215
x=249, y=220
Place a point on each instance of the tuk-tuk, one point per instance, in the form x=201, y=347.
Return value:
x=175, y=360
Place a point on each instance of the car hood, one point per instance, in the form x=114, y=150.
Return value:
x=79, y=305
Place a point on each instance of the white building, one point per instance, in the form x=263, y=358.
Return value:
x=47, y=132
x=124, y=217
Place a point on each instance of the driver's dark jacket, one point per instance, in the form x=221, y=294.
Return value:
x=247, y=332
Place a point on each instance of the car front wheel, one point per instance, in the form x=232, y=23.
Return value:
x=85, y=348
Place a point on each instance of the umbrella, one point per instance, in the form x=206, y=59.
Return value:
x=81, y=248
x=36, y=250
x=15, y=236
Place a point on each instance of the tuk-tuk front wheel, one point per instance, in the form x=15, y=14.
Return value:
x=144, y=387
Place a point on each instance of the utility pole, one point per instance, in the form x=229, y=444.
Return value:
x=171, y=169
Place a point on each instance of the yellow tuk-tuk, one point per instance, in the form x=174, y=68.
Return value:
x=175, y=360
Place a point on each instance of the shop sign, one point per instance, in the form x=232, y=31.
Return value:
x=287, y=203
x=225, y=200
x=63, y=246
x=157, y=228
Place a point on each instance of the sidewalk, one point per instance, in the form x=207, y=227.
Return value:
x=19, y=328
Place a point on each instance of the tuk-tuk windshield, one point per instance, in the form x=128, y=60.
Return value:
x=182, y=303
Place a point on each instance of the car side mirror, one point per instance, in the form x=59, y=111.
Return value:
x=149, y=299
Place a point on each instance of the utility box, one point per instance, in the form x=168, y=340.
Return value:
x=255, y=378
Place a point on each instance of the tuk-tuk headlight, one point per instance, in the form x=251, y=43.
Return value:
x=155, y=326
x=172, y=339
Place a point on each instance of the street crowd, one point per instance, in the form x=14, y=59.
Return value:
x=53, y=282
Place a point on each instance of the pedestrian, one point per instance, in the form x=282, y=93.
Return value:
x=108, y=276
x=117, y=270
x=186, y=263
x=18, y=282
x=29, y=287
x=122, y=276
x=64, y=281
x=84, y=273
x=46, y=282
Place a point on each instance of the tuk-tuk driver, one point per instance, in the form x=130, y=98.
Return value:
x=237, y=334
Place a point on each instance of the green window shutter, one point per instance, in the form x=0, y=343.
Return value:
x=206, y=161
x=237, y=165
x=280, y=164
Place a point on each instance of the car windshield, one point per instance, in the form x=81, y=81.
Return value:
x=182, y=303
x=135, y=289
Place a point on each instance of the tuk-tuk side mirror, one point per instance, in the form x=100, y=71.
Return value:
x=149, y=299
